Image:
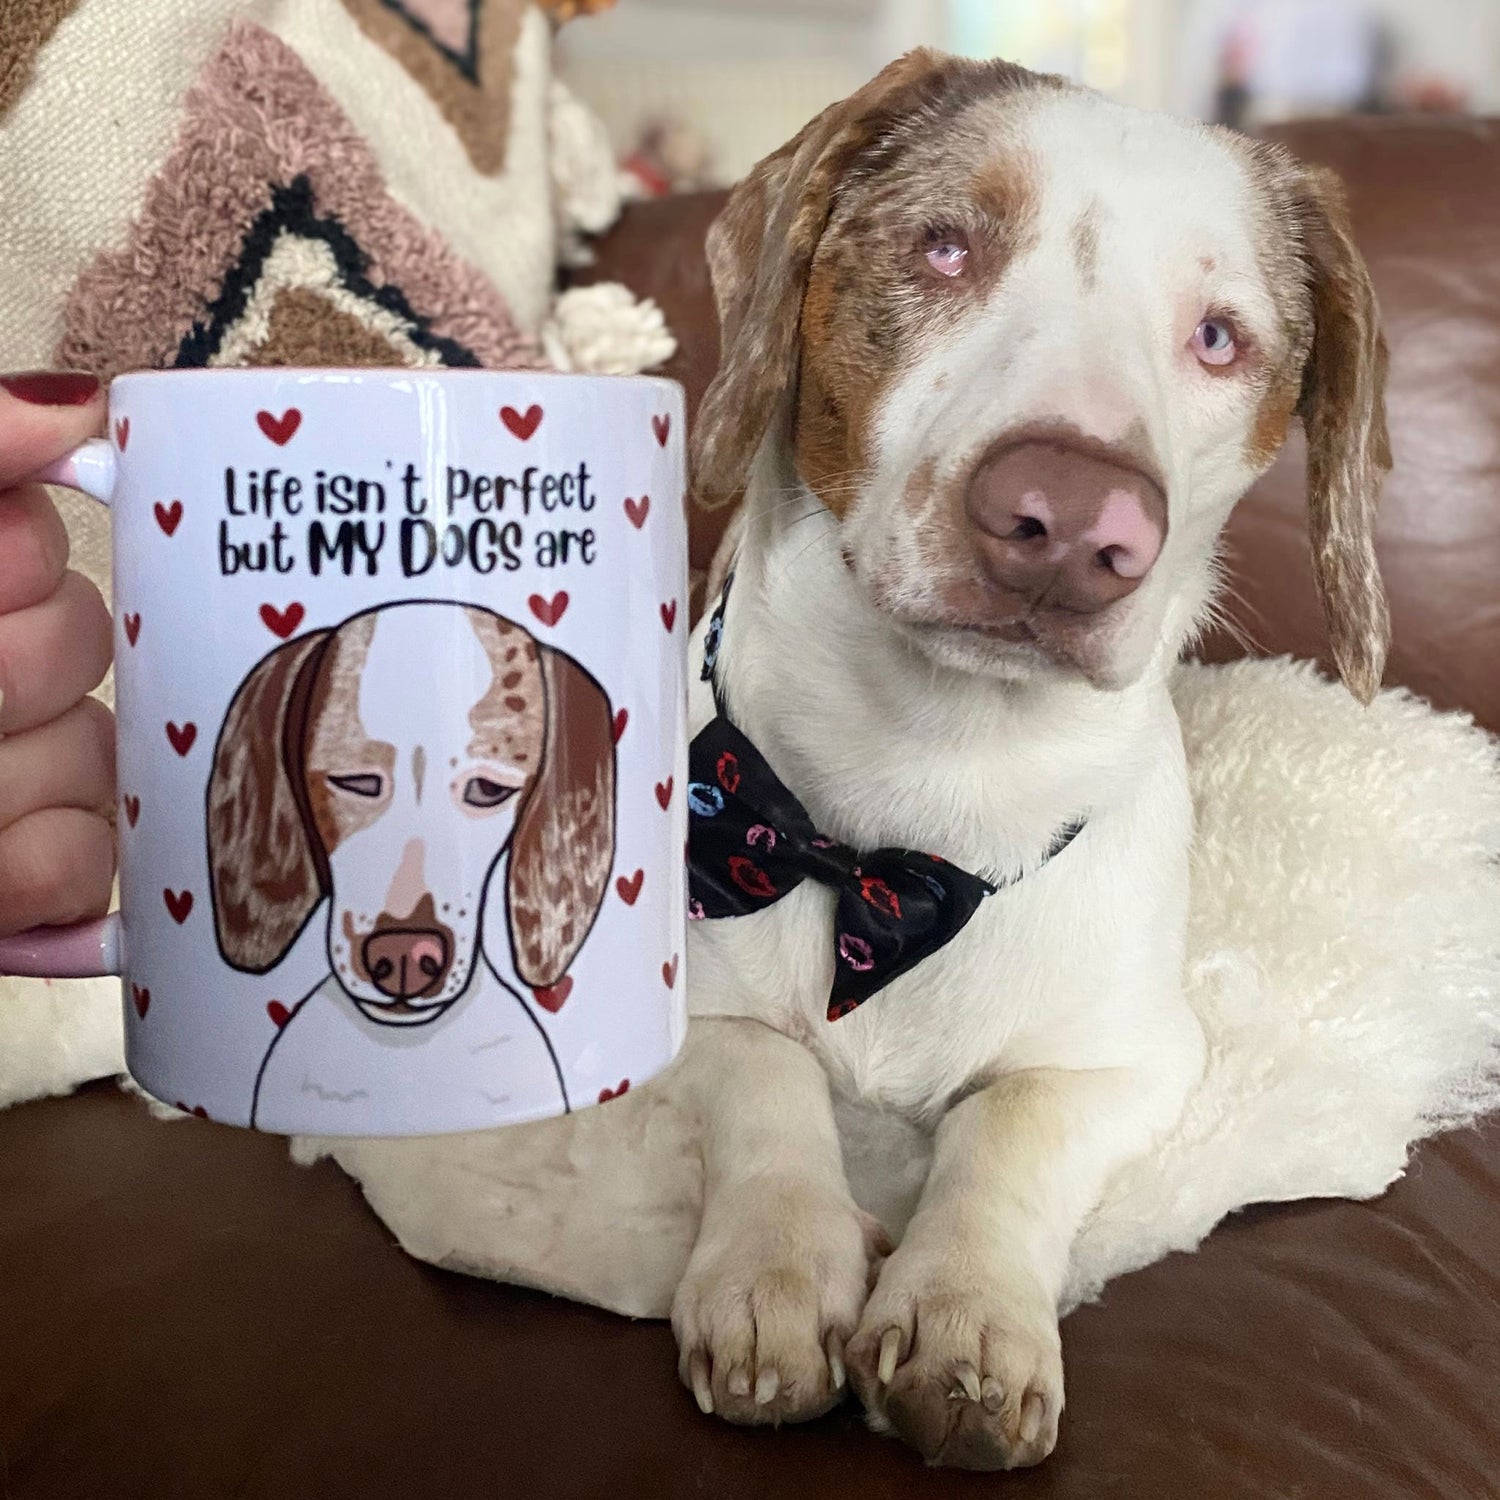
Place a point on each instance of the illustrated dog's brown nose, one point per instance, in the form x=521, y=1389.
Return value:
x=406, y=963
x=1065, y=529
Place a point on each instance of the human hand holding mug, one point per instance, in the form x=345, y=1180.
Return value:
x=56, y=744
x=400, y=667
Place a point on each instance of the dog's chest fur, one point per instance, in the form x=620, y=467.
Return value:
x=336, y=1072
x=1068, y=967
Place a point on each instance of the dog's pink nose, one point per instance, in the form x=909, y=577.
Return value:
x=1064, y=529
x=406, y=963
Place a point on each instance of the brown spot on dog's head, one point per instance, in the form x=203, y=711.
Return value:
x=817, y=262
x=508, y=721
x=337, y=747
x=1273, y=415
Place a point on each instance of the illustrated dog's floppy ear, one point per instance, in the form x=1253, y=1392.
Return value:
x=1342, y=405
x=563, y=848
x=760, y=250
x=267, y=873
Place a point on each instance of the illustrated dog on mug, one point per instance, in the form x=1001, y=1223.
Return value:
x=999, y=355
x=341, y=780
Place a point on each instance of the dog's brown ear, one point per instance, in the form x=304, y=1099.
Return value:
x=564, y=845
x=266, y=874
x=760, y=250
x=1342, y=406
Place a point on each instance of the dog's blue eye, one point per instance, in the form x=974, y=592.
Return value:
x=359, y=786
x=482, y=792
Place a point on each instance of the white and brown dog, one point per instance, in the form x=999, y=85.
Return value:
x=999, y=356
x=342, y=782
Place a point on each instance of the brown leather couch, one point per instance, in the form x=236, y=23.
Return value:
x=184, y=1313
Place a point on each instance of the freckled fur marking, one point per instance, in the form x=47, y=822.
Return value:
x=563, y=848
x=506, y=725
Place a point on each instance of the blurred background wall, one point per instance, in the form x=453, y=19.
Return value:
x=695, y=91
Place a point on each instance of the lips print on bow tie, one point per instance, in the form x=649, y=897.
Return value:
x=750, y=842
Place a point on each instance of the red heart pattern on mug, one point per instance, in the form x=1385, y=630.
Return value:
x=142, y=998
x=282, y=622
x=183, y=738
x=521, y=424
x=179, y=903
x=549, y=611
x=622, y=718
x=662, y=427
x=281, y=430
x=122, y=432
x=664, y=793
x=278, y=1012
x=669, y=615
x=197, y=1109
x=605, y=1095
x=132, y=807
x=552, y=997
x=637, y=510
x=169, y=517
x=669, y=972
x=630, y=889
x=132, y=628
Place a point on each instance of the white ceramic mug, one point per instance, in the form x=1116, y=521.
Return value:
x=400, y=675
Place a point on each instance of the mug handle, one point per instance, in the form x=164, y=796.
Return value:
x=90, y=467
x=86, y=950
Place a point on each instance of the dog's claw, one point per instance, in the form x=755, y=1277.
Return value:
x=698, y=1374
x=992, y=1393
x=890, y=1347
x=767, y=1383
x=739, y=1381
x=1033, y=1409
x=968, y=1383
x=834, y=1347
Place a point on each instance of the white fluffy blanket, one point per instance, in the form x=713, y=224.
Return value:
x=1344, y=958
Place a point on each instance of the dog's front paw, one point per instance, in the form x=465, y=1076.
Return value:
x=771, y=1295
x=970, y=1376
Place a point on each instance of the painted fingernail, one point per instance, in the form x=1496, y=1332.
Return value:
x=51, y=387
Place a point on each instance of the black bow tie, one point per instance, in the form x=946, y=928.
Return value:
x=750, y=841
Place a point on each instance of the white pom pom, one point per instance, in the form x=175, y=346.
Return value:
x=606, y=330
